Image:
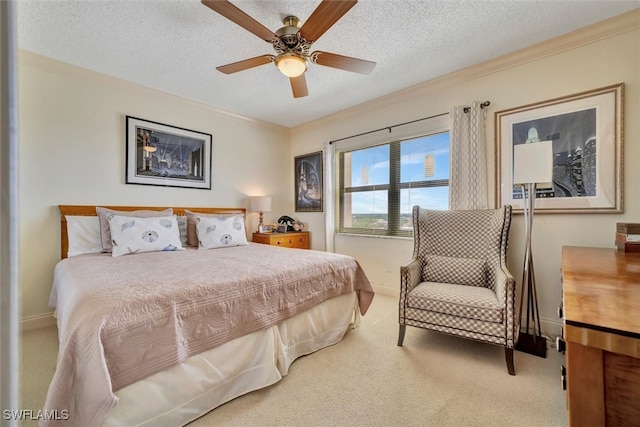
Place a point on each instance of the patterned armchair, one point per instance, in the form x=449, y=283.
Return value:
x=457, y=281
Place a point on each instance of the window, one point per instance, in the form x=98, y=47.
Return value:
x=379, y=185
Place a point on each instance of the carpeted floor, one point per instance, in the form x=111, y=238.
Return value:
x=367, y=380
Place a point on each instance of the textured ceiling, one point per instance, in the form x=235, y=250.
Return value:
x=175, y=45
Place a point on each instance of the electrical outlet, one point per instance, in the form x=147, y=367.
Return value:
x=387, y=266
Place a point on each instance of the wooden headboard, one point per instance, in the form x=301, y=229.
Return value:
x=87, y=210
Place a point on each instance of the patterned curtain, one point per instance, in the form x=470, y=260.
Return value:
x=329, y=154
x=468, y=170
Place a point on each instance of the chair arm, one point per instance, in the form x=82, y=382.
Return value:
x=505, y=283
x=410, y=275
x=505, y=288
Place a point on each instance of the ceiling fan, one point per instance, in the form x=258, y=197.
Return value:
x=292, y=43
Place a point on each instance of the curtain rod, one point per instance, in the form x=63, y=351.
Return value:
x=466, y=110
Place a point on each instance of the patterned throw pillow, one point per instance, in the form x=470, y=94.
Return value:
x=131, y=235
x=182, y=226
x=220, y=231
x=459, y=271
x=103, y=216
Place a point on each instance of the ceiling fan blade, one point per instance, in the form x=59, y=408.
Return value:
x=299, y=86
x=343, y=62
x=326, y=14
x=232, y=13
x=246, y=64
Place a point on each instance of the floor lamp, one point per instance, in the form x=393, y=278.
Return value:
x=532, y=166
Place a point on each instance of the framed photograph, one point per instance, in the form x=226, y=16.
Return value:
x=169, y=156
x=264, y=229
x=585, y=131
x=308, y=182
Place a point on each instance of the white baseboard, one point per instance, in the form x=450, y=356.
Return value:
x=551, y=328
x=38, y=321
x=385, y=290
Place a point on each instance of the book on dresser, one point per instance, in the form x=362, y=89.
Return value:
x=627, y=237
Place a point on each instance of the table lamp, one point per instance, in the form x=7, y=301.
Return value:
x=261, y=204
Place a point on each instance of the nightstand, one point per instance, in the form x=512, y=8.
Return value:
x=297, y=239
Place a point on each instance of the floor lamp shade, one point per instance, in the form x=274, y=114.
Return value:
x=533, y=163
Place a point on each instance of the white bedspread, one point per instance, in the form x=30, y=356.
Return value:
x=123, y=319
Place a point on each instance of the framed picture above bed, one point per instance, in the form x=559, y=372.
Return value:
x=168, y=156
x=308, y=182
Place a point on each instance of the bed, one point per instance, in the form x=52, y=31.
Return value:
x=160, y=337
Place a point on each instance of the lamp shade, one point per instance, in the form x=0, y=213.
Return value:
x=261, y=204
x=533, y=163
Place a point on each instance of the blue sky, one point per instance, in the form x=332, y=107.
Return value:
x=372, y=165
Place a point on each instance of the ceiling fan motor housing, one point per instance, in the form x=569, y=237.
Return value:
x=289, y=39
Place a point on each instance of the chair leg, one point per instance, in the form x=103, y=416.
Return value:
x=401, y=335
x=508, y=353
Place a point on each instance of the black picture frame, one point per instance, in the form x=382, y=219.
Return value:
x=167, y=156
x=309, y=182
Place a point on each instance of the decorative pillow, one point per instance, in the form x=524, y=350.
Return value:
x=131, y=235
x=83, y=233
x=192, y=236
x=182, y=226
x=105, y=231
x=459, y=271
x=220, y=231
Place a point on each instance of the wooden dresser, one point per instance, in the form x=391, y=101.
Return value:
x=298, y=239
x=601, y=311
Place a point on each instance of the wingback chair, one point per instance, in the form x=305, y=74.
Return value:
x=457, y=281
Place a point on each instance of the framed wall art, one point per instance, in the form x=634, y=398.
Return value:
x=587, y=145
x=308, y=182
x=169, y=156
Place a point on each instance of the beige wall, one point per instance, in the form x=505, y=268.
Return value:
x=602, y=55
x=72, y=129
x=72, y=151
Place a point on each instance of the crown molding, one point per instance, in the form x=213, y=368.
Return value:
x=602, y=30
x=44, y=63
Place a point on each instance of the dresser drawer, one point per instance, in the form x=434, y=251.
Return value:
x=298, y=240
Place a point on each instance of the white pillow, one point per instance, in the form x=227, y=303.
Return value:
x=131, y=235
x=83, y=233
x=220, y=231
x=103, y=216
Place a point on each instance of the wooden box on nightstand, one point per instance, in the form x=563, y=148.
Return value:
x=298, y=239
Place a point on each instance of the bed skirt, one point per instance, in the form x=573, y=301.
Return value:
x=205, y=381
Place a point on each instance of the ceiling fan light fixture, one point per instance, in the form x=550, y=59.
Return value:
x=291, y=65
